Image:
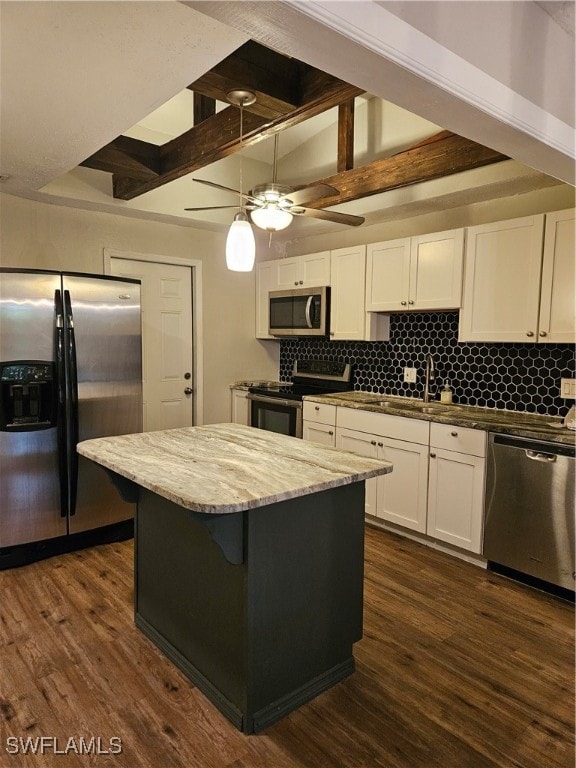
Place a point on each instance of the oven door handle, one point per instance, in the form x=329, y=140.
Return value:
x=275, y=401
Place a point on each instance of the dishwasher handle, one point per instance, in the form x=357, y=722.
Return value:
x=547, y=458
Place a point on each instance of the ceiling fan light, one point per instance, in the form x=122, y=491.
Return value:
x=240, y=245
x=271, y=218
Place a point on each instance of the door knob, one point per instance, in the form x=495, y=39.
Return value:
x=188, y=390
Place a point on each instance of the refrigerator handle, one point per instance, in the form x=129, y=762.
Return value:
x=61, y=407
x=70, y=350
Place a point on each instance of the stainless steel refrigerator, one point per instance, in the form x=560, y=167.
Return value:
x=70, y=370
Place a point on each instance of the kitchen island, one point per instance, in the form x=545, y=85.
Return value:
x=249, y=551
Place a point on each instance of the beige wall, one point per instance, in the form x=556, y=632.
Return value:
x=554, y=198
x=39, y=236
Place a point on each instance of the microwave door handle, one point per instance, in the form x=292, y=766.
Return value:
x=308, y=309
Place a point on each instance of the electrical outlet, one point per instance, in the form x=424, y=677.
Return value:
x=410, y=375
x=567, y=388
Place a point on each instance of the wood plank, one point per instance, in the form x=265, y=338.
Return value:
x=433, y=159
x=128, y=157
x=204, y=107
x=219, y=136
x=273, y=77
x=345, y=136
x=457, y=667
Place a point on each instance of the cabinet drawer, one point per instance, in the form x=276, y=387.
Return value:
x=461, y=439
x=398, y=427
x=324, y=414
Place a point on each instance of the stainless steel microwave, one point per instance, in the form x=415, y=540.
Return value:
x=299, y=312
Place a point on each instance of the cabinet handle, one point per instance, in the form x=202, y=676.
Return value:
x=380, y=445
x=301, y=282
x=454, y=434
x=432, y=455
x=543, y=333
x=331, y=333
x=316, y=407
x=330, y=432
x=529, y=333
x=403, y=303
x=295, y=282
x=372, y=442
x=410, y=302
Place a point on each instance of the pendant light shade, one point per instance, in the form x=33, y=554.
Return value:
x=271, y=217
x=240, y=245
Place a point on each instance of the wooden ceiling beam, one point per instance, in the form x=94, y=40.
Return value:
x=441, y=155
x=127, y=157
x=274, y=78
x=203, y=107
x=219, y=136
x=345, y=136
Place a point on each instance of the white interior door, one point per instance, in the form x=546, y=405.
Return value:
x=167, y=353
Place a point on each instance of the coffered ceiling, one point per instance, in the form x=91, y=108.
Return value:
x=123, y=119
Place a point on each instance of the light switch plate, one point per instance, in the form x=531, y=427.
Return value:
x=567, y=388
x=410, y=375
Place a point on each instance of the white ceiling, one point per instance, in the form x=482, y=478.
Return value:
x=75, y=75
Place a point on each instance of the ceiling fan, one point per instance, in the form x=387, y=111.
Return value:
x=272, y=206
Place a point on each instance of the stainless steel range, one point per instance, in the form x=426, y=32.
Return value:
x=278, y=408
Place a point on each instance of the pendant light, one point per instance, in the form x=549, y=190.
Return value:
x=240, y=243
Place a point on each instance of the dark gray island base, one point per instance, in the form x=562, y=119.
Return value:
x=260, y=608
x=249, y=559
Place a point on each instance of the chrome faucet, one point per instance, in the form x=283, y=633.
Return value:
x=430, y=376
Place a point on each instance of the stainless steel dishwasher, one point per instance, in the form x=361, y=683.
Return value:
x=530, y=511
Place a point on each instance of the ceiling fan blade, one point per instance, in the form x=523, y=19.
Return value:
x=226, y=189
x=211, y=208
x=313, y=192
x=337, y=218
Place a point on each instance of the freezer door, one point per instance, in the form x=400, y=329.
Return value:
x=30, y=503
x=106, y=329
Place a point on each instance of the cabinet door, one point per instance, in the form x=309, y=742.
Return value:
x=287, y=273
x=265, y=282
x=314, y=270
x=318, y=433
x=456, y=499
x=347, y=313
x=502, y=281
x=558, y=299
x=388, y=275
x=436, y=270
x=240, y=407
x=401, y=495
x=364, y=445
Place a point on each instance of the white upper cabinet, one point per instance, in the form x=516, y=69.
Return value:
x=309, y=271
x=348, y=317
x=418, y=273
x=502, y=281
x=557, y=322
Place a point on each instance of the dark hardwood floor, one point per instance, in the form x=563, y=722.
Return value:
x=457, y=668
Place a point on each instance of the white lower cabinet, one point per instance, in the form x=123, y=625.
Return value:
x=319, y=423
x=319, y=433
x=456, y=486
x=399, y=497
x=240, y=407
x=436, y=487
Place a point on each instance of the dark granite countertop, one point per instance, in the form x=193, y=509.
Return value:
x=533, y=426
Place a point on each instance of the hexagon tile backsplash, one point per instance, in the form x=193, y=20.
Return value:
x=519, y=377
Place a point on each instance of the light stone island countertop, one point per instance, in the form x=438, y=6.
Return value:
x=528, y=425
x=225, y=468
